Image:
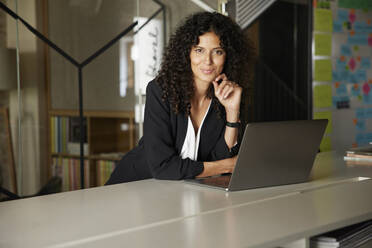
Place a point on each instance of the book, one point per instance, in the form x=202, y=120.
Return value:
x=358, y=158
x=73, y=148
x=363, y=154
x=104, y=170
x=65, y=130
x=86, y=174
x=59, y=143
x=52, y=134
x=356, y=162
x=363, y=150
x=350, y=236
x=69, y=170
x=56, y=134
x=74, y=129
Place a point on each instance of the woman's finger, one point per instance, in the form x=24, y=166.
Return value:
x=226, y=94
x=215, y=86
x=225, y=89
x=221, y=76
x=220, y=87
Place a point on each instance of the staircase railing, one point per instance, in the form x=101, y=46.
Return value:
x=273, y=99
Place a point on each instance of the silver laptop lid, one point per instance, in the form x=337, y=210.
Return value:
x=277, y=153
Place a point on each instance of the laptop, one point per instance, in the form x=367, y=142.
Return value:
x=272, y=154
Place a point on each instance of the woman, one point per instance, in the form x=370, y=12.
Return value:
x=192, y=107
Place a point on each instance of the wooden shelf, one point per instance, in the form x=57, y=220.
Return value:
x=93, y=113
x=99, y=157
x=93, y=157
x=106, y=134
x=66, y=155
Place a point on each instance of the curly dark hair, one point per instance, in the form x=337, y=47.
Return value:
x=175, y=76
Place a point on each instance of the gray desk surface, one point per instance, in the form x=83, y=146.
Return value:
x=174, y=214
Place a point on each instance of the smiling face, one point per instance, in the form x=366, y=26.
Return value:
x=207, y=58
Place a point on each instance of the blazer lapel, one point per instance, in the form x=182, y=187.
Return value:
x=210, y=132
x=182, y=121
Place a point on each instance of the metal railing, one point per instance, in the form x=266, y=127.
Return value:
x=274, y=100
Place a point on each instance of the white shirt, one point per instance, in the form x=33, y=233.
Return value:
x=190, y=146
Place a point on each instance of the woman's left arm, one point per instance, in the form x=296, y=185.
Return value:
x=229, y=94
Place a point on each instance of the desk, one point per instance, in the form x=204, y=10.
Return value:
x=153, y=213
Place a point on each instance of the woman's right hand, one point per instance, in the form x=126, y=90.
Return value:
x=218, y=167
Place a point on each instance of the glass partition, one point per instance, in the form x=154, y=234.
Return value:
x=43, y=103
x=82, y=28
x=24, y=103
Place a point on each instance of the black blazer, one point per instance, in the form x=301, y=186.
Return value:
x=158, y=152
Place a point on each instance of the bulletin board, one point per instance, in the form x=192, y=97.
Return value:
x=342, y=72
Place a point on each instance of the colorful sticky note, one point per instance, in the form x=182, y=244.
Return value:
x=359, y=139
x=344, y=75
x=326, y=145
x=336, y=76
x=342, y=15
x=361, y=75
x=323, y=70
x=341, y=89
x=345, y=50
x=367, y=99
x=365, y=63
x=368, y=113
x=366, y=89
x=360, y=27
x=359, y=113
x=367, y=28
x=325, y=115
x=323, y=44
x=353, y=78
x=323, y=20
x=369, y=40
x=340, y=65
x=355, y=90
x=357, y=39
x=322, y=96
x=352, y=64
x=337, y=26
x=360, y=125
x=368, y=137
x=352, y=16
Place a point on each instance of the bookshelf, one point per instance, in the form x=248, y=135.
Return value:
x=109, y=135
x=110, y=128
